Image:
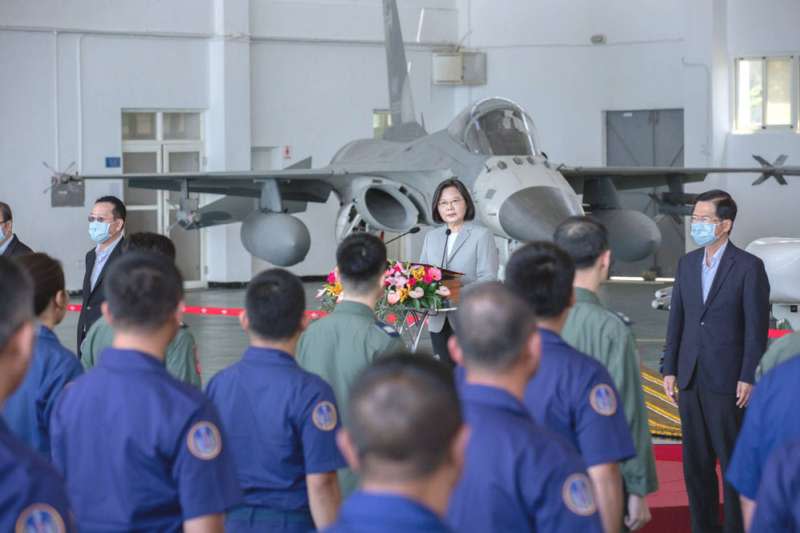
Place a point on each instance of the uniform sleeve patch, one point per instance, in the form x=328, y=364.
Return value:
x=577, y=495
x=40, y=518
x=603, y=399
x=386, y=328
x=325, y=416
x=204, y=441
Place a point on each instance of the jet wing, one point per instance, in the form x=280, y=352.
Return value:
x=295, y=184
x=643, y=177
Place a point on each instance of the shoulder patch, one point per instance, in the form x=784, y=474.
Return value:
x=625, y=318
x=204, y=440
x=603, y=399
x=386, y=328
x=325, y=416
x=577, y=495
x=39, y=518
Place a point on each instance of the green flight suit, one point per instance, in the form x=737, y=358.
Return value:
x=180, y=360
x=340, y=345
x=596, y=331
x=779, y=351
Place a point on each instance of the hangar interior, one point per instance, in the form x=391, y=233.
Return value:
x=256, y=84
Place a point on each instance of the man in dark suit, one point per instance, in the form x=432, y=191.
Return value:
x=716, y=335
x=106, y=224
x=10, y=245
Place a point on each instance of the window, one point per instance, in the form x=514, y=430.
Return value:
x=764, y=93
x=381, y=121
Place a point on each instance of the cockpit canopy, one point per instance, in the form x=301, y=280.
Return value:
x=495, y=126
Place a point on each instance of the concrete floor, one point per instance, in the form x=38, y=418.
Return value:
x=221, y=342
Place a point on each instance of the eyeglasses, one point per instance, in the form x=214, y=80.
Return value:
x=704, y=220
x=454, y=203
x=93, y=218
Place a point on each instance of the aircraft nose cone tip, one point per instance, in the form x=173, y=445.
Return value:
x=532, y=214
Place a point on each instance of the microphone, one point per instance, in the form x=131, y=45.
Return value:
x=444, y=252
x=415, y=229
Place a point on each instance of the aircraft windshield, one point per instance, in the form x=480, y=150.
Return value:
x=495, y=127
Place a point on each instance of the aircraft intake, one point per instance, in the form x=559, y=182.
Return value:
x=281, y=239
x=533, y=213
x=385, y=208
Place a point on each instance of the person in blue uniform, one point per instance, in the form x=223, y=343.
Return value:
x=32, y=494
x=139, y=449
x=281, y=419
x=518, y=476
x=770, y=421
x=405, y=437
x=27, y=411
x=572, y=393
x=778, y=502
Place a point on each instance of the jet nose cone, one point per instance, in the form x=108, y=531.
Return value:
x=532, y=214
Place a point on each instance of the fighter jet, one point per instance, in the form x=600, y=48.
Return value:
x=387, y=184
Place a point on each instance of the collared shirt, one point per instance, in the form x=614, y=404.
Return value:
x=594, y=330
x=709, y=272
x=337, y=347
x=517, y=475
x=281, y=423
x=139, y=449
x=27, y=411
x=32, y=495
x=5, y=245
x=368, y=512
x=770, y=421
x=778, y=505
x=181, y=358
x=573, y=395
x=100, y=260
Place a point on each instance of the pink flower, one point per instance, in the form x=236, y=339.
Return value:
x=400, y=281
x=427, y=278
x=392, y=298
x=332, y=277
x=417, y=293
x=412, y=282
x=435, y=273
x=443, y=291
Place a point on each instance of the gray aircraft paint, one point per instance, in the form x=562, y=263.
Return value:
x=388, y=184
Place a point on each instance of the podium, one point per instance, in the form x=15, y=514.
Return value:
x=410, y=321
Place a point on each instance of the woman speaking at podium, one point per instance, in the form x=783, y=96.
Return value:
x=459, y=245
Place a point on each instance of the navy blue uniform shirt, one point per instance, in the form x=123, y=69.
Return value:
x=281, y=423
x=771, y=420
x=369, y=512
x=778, y=502
x=518, y=476
x=573, y=395
x=140, y=449
x=32, y=495
x=27, y=411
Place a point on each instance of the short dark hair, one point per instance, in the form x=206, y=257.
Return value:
x=275, y=303
x=361, y=258
x=143, y=289
x=724, y=203
x=404, y=411
x=5, y=212
x=17, y=290
x=47, y=276
x=462, y=189
x=119, y=210
x=583, y=238
x=542, y=274
x=145, y=241
x=493, y=325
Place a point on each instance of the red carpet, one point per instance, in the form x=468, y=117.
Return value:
x=670, y=505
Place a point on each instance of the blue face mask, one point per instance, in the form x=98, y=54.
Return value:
x=99, y=231
x=2, y=233
x=703, y=233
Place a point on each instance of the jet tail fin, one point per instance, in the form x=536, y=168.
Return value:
x=401, y=102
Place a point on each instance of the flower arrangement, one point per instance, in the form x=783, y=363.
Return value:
x=405, y=285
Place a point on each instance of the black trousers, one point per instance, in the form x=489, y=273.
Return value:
x=710, y=423
x=439, y=342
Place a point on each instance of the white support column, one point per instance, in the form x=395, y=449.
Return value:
x=228, y=128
